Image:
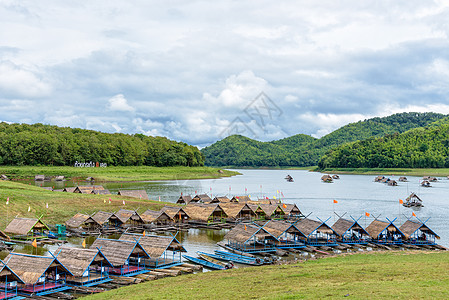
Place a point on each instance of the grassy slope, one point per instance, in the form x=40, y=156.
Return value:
x=388, y=171
x=61, y=206
x=141, y=173
x=405, y=275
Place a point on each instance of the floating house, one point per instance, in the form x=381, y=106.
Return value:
x=27, y=228
x=156, y=217
x=202, y=198
x=287, y=234
x=392, y=183
x=350, y=232
x=102, y=218
x=88, y=189
x=291, y=211
x=4, y=237
x=379, y=178
x=250, y=238
x=101, y=192
x=221, y=200
x=69, y=189
x=42, y=275
x=335, y=176
x=129, y=218
x=140, y=194
x=82, y=222
x=385, y=233
x=125, y=256
x=206, y=213
x=184, y=199
x=241, y=199
x=88, y=266
x=326, y=178
x=165, y=251
x=317, y=233
x=413, y=201
x=425, y=183
x=418, y=233
x=269, y=211
x=403, y=179
x=8, y=283
x=237, y=212
x=176, y=213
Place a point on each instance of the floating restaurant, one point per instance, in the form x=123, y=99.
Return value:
x=418, y=233
x=250, y=238
x=317, y=233
x=8, y=283
x=26, y=228
x=350, y=232
x=385, y=233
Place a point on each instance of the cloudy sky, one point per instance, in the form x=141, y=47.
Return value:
x=194, y=71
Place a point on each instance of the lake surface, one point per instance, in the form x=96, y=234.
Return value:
x=356, y=194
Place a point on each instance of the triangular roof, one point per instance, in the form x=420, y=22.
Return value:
x=184, y=199
x=309, y=226
x=101, y=192
x=277, y=228
x=102, y=217
x=125, y=214
x=31, y=267
x=150, y=216
x=202, y=198
x=23, y=226
x=232, y=209
x=410, y=227
x=173, y=211
x=78, y=260
x=88, y=189
x=223, y=199
x=77, y=220
x=240, y=199
x=155, y=245
x=7, y=271
x=69, y=189
x=117, y=251
x=141, y=194
x=377, y=227
x=343, y=225
x=4, y=236
x=290, y=208
x=269, y=209
x=202, y=212
x=241, y=233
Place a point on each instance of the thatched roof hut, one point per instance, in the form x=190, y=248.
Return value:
x=326, y=178
x=184, y=199
x=101, y=192
x=30, y=268
x=4, y=236
x=308, y=227
x=153, y=216
x=279, y=228
x=88, y=189
x=24, y=226
x=77, y=220
x=128, y=216
x=392, y=183
x=118, y=252
x=141, y=194
x=272, y=210
x=7, y=273
x=402, y=179
x=102, y=217
x=78, y=260
x=205, y=212
x=220, y=200
x=241, y=199
x=175, y=213
x=202, y=198
x=291, y=210
x=343, y=226
x=233, y=210
x=69, y=189
x=335, y=176
x=411, y=229
x=379, y=178
x=243, y=233
x=155, y=245
x=378, y=228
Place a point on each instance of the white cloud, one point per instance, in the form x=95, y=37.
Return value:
x=119, y=103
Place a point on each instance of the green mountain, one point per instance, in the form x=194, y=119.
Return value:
x=38, y=144
x=424, y=147
x=304, y=150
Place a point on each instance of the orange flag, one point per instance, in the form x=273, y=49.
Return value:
x=335, y=201
x=367, y=214
x=84, y=243
x=245, y=226
x=413, y=214
x=401, y=201
x=143, y=233
x=284, y=205
x=34, y=243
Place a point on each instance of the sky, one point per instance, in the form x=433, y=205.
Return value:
x=197, y=71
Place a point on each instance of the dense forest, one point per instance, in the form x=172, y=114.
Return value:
x=38, y=144
x=425, y=147
x=304, y=150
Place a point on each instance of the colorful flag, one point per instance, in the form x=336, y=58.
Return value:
x=274, y=197
x=413, y=214
x=46, y=205
x=335, y=201
x=84, y=243
x=29, y=208
x=34, y=243
x=284, y=205
x=401, y=201
x=7, y=201
x=245, y=226
x=123, y=202
x=367, y=214
x=109, y=200
x=143, y=233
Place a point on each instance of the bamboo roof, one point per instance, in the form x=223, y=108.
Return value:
x=150, y=216
x=410, y=227
x=101, y=192
x=22, y=226
x=4, y=236
x=31, y=267
x=124, y=215
x=344, y=225
x=270, y=209
x=77, y=220
x=102, y=217
x=290, y=208
x=240, y=199
x=242, y=233
x=155, y=245
x=277, y=228
x=202, y=198
x=141, y=194
x=88, y=189
x=202, y=212
x=184, y=199
x=232, y=209
x=377, y=227
x=69, y=189
x=174, y=211
x=309, y=226
x=6, y=271
x=118, y=251
x=221, y=200
x=78, y=260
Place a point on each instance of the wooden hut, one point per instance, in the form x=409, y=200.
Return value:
x=206, y=213
x=287, y=234
x=82, y=222
x=88, y=266
x=291, y=211
x=202, y=198
x=402, y=179
x=392, y=183
x=350, y=232
x=425, y=183
x=129, y=218
x=8, y=282
x=102, y=218
x=26, y=228
x=413, y=201
x=250, y=238
x=385, y=232
x=101, y=192
x=220, y=200
x=42, y=275
x=88, y=189
x=125, y=256
x=184, y=199
x=326, y=178
x=237, y=212
x=379, y=178
x=317, y=233
x=69, y=189
x=176, y=213
x=156, y=217
x=140, y=194
x=271, y=211
x=4, y=237
x=240, y=199
x=418, y=233
x=335, y=176
x=165, y=251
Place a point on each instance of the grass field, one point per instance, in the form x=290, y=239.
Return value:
x=140, y=173
x=61, y=206
x=383, y=275
x=387, y=171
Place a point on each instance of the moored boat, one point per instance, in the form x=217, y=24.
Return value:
x=204, y=263
x=209, y=258
x=242, y=259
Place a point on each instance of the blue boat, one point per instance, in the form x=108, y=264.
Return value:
x=241, y=258
x=204, y=263
x=236, y=259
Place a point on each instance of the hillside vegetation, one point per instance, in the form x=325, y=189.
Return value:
x=38, y=144
x=304, y=150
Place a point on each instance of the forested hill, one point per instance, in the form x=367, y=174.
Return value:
x=303, y=150
x=425, y=147
x=22, y=144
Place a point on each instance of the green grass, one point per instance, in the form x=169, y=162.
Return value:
x=388, y=171
x=61, y=206
x=135, y=173
x=392, y=275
